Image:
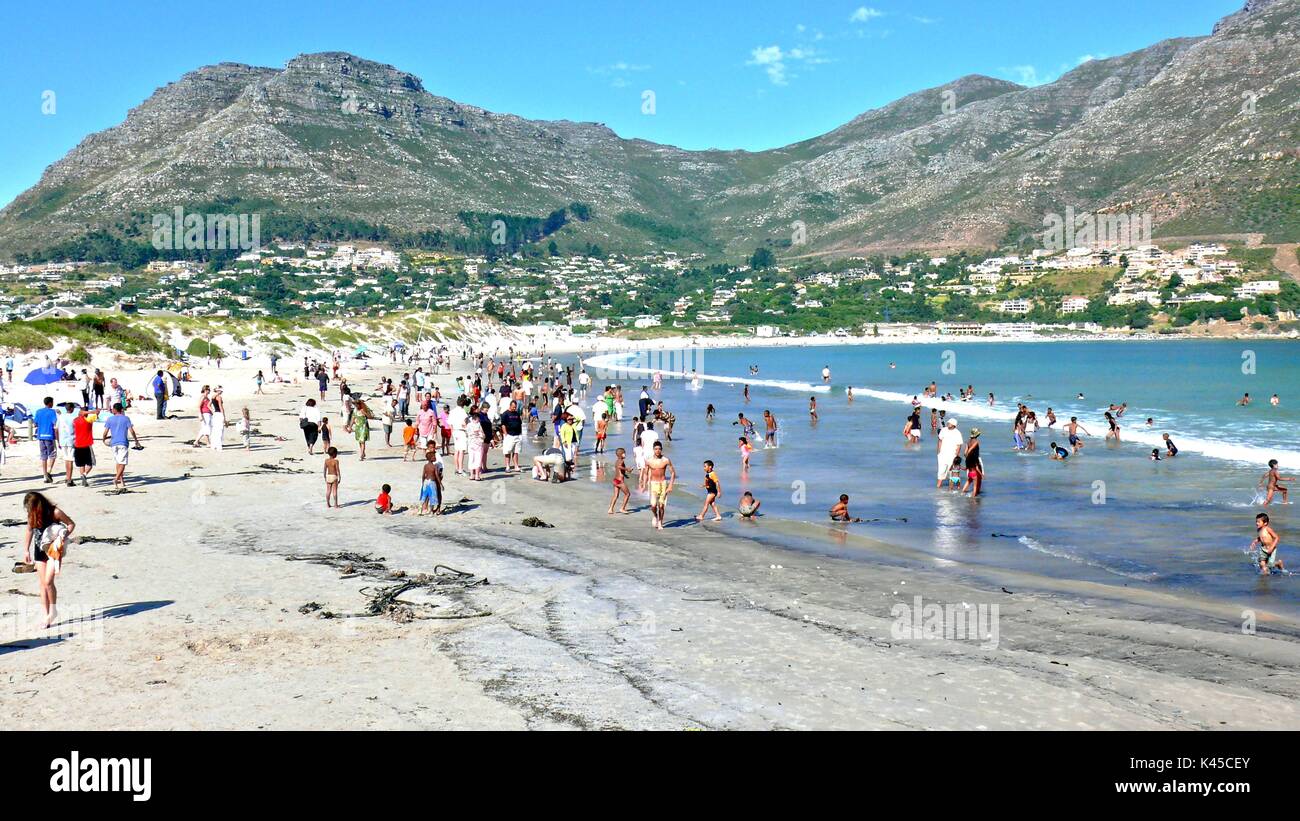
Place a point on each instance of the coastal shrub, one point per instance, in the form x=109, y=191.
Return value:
x=79, y=355
x=20, y=336
x=108, y=331
x=202, y=347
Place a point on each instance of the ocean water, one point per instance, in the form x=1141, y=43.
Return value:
x=1109, y=514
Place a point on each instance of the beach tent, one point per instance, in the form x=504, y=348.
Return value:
x=44, y=376
x=16, y=413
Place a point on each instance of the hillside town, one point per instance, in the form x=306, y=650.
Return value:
x=1080, y=289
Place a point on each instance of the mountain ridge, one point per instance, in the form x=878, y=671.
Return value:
x=970, y=163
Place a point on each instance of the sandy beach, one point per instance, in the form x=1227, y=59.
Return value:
x=598, y=622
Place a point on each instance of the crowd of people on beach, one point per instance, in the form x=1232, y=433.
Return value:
x=506, y=398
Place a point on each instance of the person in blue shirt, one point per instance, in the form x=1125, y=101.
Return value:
x=46, y=420
x=159, y=385
x=118, y=431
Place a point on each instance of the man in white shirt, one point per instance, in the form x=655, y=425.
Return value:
x=459, y=436
x=950, y=445
x=579, y=417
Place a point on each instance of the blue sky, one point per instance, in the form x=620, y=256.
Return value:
x=729, y=74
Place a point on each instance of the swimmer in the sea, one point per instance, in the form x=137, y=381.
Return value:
x=1059, y=454
x=1171, y=450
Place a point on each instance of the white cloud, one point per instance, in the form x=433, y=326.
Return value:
x=772, y=60
x=865, y=13
x=1025, y=75
x=618, y=72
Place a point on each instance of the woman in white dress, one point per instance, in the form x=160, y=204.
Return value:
x=218, y=419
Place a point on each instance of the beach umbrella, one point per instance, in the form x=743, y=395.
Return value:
x=44, y=376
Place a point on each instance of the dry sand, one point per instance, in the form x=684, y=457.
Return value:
x=599, y=622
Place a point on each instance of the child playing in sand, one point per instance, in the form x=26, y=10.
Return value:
x=621, y=474
x=748, y=506
x=840, y=510
x=408, y=439
x=246, y=429
x=332, y=477
x=384, y=504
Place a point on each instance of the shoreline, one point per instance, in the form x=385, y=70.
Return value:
x=598, y=622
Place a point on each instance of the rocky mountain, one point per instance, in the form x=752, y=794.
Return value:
x=1202, y=133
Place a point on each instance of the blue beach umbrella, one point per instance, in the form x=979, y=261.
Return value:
x=44, y=376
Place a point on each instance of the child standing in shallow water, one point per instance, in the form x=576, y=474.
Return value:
x=333, y=476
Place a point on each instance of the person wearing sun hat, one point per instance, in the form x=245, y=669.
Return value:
x=974, y=465
x=950, y=447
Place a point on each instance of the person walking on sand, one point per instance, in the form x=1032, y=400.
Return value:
x=360, y=424
x=205, y=418
x=118, y=433
x=309, y=420
x=45, y=544
x=621, y=474
x=712, y=490
x=333, y=476
x=662, y=476
x=83, y=445
x=218, y=419
x=159, y=386
x=47, y=422
x=246, y=429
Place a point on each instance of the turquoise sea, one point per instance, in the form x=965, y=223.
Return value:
x=1109, y=514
